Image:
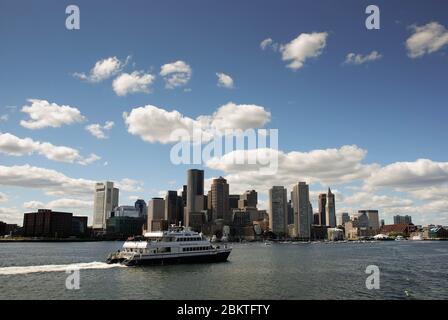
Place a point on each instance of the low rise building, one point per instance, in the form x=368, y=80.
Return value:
x=47, y=223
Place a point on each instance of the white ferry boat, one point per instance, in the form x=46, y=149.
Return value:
x=168, y=247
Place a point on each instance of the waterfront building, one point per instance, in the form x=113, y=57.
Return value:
x=335, y=234
x=233, y=201
x=79, y=226
x=124, y=226
x=290, y=213
x=278, y=210
x=316, y=219
x=248, y=199
x=302, y=214
x=104, y=201
x=173, y=208
x=322, y=209
x=7, y=229
x=126, y=211
x=402, y=219
x=343, y=218
x=372, y=216
x=330, y=210
x=318, y=232
x=47, y=223
x=402, y=229
x=195, y=194
x=141, y=207
x=156, y=211
x=218, y=199
x=184, y=196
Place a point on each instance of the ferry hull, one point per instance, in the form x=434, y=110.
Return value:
x=218, y=257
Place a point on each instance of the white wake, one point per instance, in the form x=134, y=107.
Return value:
x=57, y=268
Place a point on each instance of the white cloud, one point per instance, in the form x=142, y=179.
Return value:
x=50, y=181
x=410, y=175
x=97, y=130
x=224, y=80
x=44, y=114
x=11, y=215
x=89, y=160
x=129, y=185
x=239, y=116
x=135, y=82
x=328, y=167
x=15, y=146
x=305, y=46
x=353, y=58
x=426, y=39
x=155, y=124
x=64, y=203
x=4, y=117
x=176, y=74
x=103, y=69
x=265, y=43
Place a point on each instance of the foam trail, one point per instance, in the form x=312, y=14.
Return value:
x=57, y=268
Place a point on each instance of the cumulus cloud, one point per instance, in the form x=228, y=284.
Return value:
x=103, y=69
x=265, y=43
x=353, y=58
x=50, y=181
x=97, y=130
x=327, y=167
x=426, y=39
x=129, y=185
x=44, y=114
x=176, y=74
x=302, y=48
x=15, y=146
x=155, y=124
x=134, y=82
x=11, y=215
x=64, y=203
x=410, y=175
x=224, y=80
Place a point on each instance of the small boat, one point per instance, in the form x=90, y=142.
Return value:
x=168, y=247
x=399, y=238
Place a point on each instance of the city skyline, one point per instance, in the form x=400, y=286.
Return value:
x=364, y=117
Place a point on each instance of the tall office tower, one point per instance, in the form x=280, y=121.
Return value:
x=278, y=210
x=316, y=218
x=195, y=193
x=219, y=201
x=402, y=219
x=104, y=202
x=343, y=218
x=184, y=196
x=156, y=211
x=290, y=212
x=233, y=201
x=140, y=206
x=374, y=220
x=322, y=209
x=248, y=199
x=330, y=210
x=172, y=209
x=302, y=214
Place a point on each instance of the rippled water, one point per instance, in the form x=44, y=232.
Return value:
x=409, y=270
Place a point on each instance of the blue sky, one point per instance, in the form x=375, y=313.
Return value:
x=393, y=107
